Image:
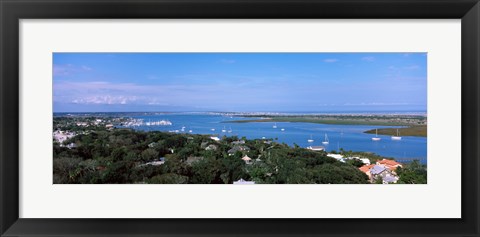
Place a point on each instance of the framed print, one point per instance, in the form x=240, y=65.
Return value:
x=239, y=118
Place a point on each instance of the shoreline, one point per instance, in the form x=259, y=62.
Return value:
x=411, y=125
x=414, y=131
x=379, y=120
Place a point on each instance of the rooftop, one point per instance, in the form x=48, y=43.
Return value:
x=336, y=156
x=316, y=148
x=377, y=169
x=388, y=162
x=366, y=168
x=390, y=179
x=241, y=181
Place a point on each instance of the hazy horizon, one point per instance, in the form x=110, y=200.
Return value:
x=251, y=112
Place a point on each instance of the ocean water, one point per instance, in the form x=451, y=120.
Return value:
x=348, y=137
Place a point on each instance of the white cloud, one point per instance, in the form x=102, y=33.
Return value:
x=330, y=60
x=85, y=68
x=106, y=99
x=214, y=93
x=412, y=67
x=368, y=59
x=227, y=61
x=69, y=69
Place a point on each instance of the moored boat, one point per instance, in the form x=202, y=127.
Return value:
x=326, y=140
x=397, y=138
x=376, y=138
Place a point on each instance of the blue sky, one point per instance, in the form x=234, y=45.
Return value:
x=295, y=82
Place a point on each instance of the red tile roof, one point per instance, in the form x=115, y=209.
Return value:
x=366, y=168
x=390, y=164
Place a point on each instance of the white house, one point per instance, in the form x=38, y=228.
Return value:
x=337, y=157
x=247, y=159
x=241, y=181
x=316, y=148
x=215, y=139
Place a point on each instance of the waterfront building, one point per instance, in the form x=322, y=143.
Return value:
x=337, y=157
x=215, y=138
x=390, y=179
x=366, y=169
x=380, y=172
x=316, y=148
x=389, y=164
x=365, y=160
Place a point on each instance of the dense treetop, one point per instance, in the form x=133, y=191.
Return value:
x=122, y=156
x=128, y=156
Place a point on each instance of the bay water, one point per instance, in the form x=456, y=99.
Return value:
x=348, y=137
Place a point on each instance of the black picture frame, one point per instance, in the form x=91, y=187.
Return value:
x=11, y=11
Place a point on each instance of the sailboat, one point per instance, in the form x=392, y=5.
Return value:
x=326, y=140
x=224, y=130
x=397, y=138
x=283, y=129
x=311, y=139
x=230, y=130
x=275, y=125
x=376, y=138
x=213, y=129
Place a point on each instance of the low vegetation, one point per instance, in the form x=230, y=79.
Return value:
x=127, y=156
x=384, y=120
x=94, y=152
x=417, y=131
x=412, y=173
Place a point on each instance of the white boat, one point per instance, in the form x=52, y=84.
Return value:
x=326, y=140
x=376, y=138
x=224, y=130
x=190, y=131
x=275, y=125
x=316, y=148
x=311, y=139
x=230, y=130
x=283, y=129
x=397, y=138
x=215, y=138
x=213, y=129
x=159, y=123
